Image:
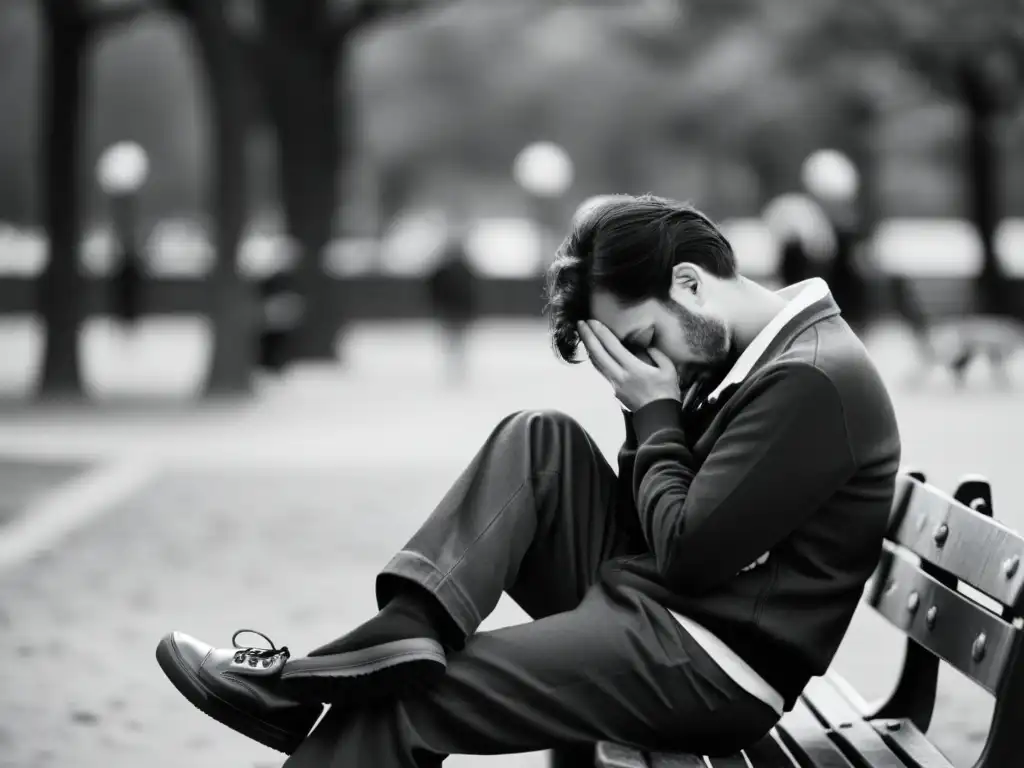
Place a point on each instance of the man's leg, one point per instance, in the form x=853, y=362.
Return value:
x=534, y=514
x=617, y=667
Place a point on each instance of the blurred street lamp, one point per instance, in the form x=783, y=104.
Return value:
x=543, y=169
x=545, y=172
x=121, y=171
x=830, y=176
x=833, y=180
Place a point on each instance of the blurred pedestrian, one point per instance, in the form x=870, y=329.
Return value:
x=453, y=294
x=126, y=282
x=795, y=264
x=845, y=278
x=122, y=170
x=282, y=313
x=832, y=180
x=804, y=234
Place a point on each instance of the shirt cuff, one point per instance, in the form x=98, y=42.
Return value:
x=657, y=415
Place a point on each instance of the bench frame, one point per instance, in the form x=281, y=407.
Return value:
x=832, y=724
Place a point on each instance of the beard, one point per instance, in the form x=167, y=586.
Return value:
x=706, y=336
x=709, y=339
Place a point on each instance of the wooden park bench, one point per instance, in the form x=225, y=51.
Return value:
x=939, y=554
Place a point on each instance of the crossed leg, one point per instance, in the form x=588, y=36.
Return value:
x=535, y=514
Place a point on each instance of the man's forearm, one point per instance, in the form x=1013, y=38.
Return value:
x=783, y=454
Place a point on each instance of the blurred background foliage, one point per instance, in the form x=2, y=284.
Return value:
x=322, y=132
x=716, y=101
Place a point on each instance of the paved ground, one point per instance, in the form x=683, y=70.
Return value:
x=23, y=481
x=276, y=515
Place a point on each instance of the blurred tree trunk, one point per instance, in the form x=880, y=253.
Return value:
x=302, y=68
x=862, y=115
x=60, y=287
x=297, y=61
x=231, y=308
x=982, y=105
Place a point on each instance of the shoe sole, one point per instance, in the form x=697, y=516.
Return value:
x=209, y=703
x=381, y=671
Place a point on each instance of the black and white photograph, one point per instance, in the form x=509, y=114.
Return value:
x=511, y=383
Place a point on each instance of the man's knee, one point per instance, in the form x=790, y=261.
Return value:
x=539, y=420
x=546, y=430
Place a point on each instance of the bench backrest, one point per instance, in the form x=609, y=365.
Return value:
x=952, y=579
x=960, y=598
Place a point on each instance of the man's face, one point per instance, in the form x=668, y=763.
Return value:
x=684, y=328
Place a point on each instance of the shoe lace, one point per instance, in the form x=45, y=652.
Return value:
x=257, y=652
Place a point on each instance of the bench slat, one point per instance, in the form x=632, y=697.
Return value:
x=805, y=736
x=975, y=548
x=847, y=725
x=679, y=760
x=909, y=741
x=959, y=622
x=768, y=753
x=732, y=761
x=611, y=755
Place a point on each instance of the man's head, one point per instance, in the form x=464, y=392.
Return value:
x=654, y=271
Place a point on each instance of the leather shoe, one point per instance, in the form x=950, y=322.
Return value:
x=238, y=687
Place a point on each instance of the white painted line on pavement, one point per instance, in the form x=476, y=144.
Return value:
x=42, y=524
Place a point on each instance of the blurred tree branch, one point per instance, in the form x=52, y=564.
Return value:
x=938, y=39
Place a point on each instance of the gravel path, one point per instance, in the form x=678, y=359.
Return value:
x=277, y=517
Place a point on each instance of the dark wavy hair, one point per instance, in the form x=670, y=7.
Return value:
x=627, y=246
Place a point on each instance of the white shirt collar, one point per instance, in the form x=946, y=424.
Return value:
x=801, y=295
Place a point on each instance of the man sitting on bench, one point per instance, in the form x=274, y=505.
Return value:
x=682, y=604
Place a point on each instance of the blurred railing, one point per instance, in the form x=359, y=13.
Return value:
x=380, y=297
x=939, y=259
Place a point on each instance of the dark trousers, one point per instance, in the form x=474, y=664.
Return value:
x=534, y=515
